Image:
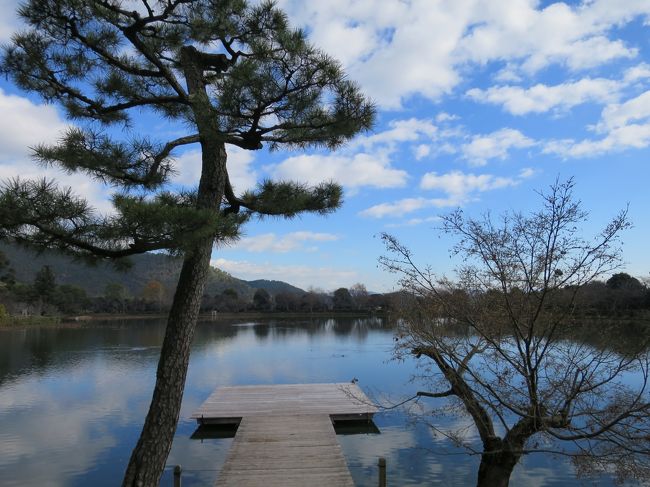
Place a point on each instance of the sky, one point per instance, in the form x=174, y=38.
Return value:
x=481, y=103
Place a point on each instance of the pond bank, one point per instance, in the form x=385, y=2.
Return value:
x=20, y=321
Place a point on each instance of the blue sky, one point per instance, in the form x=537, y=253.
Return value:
x=480, y=104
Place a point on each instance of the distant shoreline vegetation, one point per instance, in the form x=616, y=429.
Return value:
x=50, y=284
x=32, y=295
x=9, y=321
x=17, y=321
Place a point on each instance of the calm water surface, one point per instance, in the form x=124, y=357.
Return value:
x=72, y=401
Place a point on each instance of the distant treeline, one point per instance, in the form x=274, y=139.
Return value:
x=356, y=298
x=620, y=296
x=45, y=297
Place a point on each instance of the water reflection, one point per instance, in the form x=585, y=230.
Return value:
x=73, y=399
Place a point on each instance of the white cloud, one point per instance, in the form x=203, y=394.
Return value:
x=414, y=222
x=349, y=41
x=408, y=130
x=457, y=187
x=9, y=22
x=636, y=73
x=25, y=124
x=408, y=205
x=364, y=162
x=351, y=171
x=496, y=145
x=416, y=47
x=405, y=65
x=634, y=136
x=446, y=117
x=516, y=30
x=270, y=242
x=527, y=172
x=508, y=75
x=388, y=55
x=242, y=177
x=542, y=98
x=298, y=275
x=422, y=151
x=624, y=125
x=619, y=115
x=403, y=206
x=188, y=168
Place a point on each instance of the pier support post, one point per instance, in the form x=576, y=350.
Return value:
x=177, y=475
x=382, y=471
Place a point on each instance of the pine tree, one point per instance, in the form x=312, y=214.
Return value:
x=45, y=284
x=235, y=74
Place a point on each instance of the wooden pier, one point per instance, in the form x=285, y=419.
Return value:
x=285, y=435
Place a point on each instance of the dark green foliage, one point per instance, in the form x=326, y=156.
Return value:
x=287, y=301
x=70, y=299
x=45, y=284
x=231, y=293
x=115, y=291
x=262, y=300
x=39, y=214
x=288, y=199
x=7, y=273
x=133, y=163
x=229, y=300
x=624, y=281
x=274, y=287
x=232, y=73
x=4, y=262
x=103, y=62
x=343, y=299
x=96, y=280
x=45, y=294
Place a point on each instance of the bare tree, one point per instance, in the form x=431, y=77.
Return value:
x=500, y=338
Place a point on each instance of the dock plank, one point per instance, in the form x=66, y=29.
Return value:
x=285, y=435
x=338, y=399
x=289, y=450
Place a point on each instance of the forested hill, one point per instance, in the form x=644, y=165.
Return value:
x=146, y=268
x=275, y=287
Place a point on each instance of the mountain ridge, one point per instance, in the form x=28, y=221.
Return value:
x=145, y=268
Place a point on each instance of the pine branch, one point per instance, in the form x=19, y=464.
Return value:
x=286, y=199
x=131, y=34
x=40, y=215
x=138, y=163
x=107, y=56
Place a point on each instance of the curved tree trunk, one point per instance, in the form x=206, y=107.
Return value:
x=150, y=454
x=495, y=469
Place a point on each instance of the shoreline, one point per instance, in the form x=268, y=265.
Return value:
x=48, y=321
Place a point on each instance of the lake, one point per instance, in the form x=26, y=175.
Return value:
x=73, y=400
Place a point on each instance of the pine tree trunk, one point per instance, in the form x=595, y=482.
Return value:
x=150, y=454
x=495, y=469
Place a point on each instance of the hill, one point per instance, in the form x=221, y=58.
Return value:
x=275, y=287
x=145, y=268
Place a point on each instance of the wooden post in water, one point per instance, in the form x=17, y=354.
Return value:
x=177, y=475
x=382, y=471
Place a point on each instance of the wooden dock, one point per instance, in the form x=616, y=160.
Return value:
x=285, y=435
